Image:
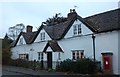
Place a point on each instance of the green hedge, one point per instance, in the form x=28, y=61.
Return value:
x=83, y=66
x=25, y=64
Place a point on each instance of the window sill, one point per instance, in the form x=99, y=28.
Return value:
x=42, y=41
x=77, y=35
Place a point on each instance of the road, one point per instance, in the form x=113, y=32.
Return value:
x=21, y=72
x=12, y=71
x=5, y=72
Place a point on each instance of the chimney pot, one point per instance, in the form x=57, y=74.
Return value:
x=73, y=10
x=70, y=10
x=29, y=28
x=71, y=14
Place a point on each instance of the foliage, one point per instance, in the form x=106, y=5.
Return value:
x=6, y=54
x=83, y=66
x=14, y=31
x=66, y=65
x=25, y=64
x=55, y=20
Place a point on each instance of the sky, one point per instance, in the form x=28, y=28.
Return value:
x=35, y=12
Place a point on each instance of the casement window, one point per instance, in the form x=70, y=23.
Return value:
x=77, y=54
x=76, y=29
x=40, y=56
x=42, y=36
x=21, y=41
x=24, y=56
x=79, y=29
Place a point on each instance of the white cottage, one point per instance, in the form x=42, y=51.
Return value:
x=95, y=37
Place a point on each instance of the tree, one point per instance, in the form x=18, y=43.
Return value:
x=55, y=20
x=15, y=30
x=6, y=54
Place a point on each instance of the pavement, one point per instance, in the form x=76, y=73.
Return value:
x=27, y=71
x=12, y=71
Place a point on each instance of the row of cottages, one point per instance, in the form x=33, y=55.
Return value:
x=74, y=39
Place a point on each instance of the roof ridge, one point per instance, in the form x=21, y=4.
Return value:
x=102, y=13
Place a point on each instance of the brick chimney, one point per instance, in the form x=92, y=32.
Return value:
x=72, y=14
x=29, y=28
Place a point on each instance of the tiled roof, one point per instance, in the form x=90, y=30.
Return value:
x=29, y=36
x=56, y=31
x=54, y=46
x=104, y=22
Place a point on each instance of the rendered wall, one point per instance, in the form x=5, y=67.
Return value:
x=105, y=42
x=119, y=52
x=84, y=29
x=31, y=49
x=108, y=42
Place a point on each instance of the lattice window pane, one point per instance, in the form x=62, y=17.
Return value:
x=79, y=29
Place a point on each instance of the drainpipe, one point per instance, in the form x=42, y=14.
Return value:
x=93, y=37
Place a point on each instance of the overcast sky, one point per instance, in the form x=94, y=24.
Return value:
x=34, y=13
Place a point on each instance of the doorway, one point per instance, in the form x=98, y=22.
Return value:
x=49, y=60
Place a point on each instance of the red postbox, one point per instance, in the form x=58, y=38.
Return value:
x=107, y=62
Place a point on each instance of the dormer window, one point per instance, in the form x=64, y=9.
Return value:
x=21, y=41
x=76, y=29
x=42, y=36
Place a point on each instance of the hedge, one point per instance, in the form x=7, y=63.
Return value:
x=83, y=66
x=26, y=64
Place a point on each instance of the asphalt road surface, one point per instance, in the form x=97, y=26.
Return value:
x=5, y=72
x=12, y=71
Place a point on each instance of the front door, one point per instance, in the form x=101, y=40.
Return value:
x=49, y=59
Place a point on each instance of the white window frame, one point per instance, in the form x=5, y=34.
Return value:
x=77, y=54
x=24, y=56
x=40, y=56
x=42, y=36
x=21, y=41
x=77, y=29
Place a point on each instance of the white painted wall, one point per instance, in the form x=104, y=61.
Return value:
x=104, y=42
x=37, y=47
x=108, y=42
x=84, y=28
x=119, y=51
x=77, y=43
x=22, y=49
x=18, y=43
x=47, y=37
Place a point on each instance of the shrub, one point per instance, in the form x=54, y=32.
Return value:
x=83, y=66
x=25, y=64
x=65, y=66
